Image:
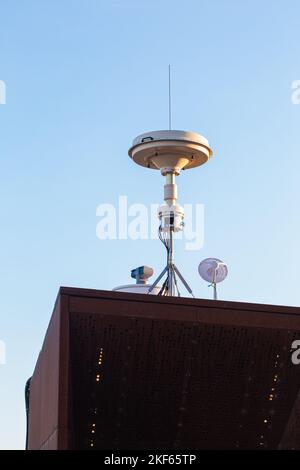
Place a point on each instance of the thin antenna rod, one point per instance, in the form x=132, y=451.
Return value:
x=170, y=108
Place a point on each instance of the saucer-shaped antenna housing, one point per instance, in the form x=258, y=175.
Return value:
x=170, y=151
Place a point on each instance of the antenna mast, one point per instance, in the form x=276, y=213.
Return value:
x=170, y=152
x=170, y=107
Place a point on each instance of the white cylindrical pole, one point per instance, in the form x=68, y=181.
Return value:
x=170, y=196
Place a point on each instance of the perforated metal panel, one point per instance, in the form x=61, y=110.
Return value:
x=149, y=383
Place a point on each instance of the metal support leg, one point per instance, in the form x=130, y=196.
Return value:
x=158, y=279
x=183, y=280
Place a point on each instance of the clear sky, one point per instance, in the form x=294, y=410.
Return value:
x=83, y=78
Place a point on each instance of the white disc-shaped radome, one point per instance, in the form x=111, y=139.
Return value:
x=176, y=150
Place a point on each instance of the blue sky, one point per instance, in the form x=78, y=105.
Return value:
x=83, y=78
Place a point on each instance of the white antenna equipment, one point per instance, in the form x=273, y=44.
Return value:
x=213, y=270
x=170, y=152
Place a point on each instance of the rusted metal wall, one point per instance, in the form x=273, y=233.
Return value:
x=48, y=404
x=129, y=371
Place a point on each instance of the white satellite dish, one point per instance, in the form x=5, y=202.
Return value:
x=213, y=270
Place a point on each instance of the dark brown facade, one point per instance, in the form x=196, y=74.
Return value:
x=130, y=371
